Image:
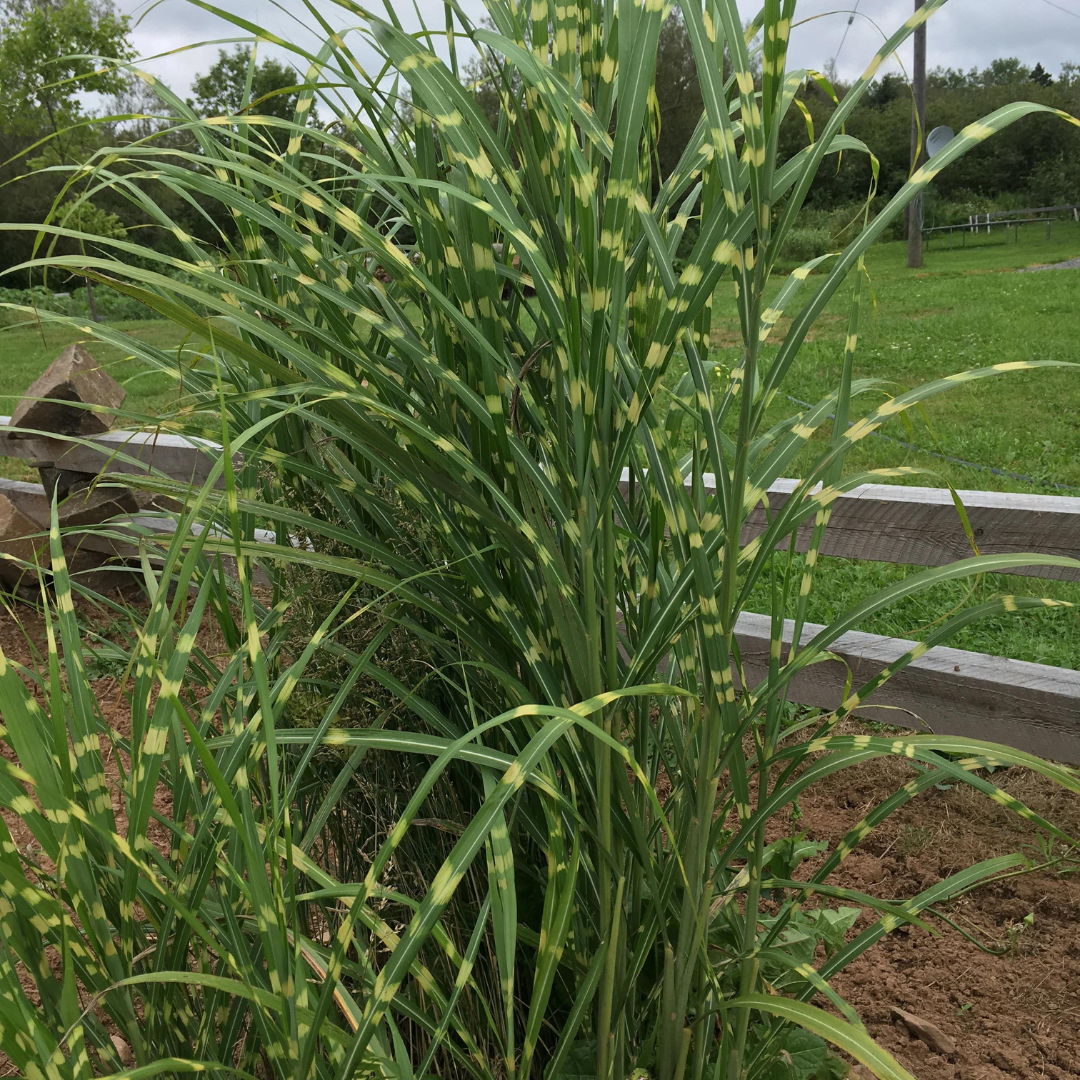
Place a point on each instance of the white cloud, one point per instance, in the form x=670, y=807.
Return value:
x=964, y=34
x=177, y=25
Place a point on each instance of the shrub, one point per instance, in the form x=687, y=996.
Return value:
x=38, y=297
x=1056, y=182
x=806, y=244
x=111, y=305
x=481, y=330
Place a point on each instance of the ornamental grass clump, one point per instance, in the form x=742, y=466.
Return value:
x=415, y=316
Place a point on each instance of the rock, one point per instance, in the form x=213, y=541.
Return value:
x=100, y=573
x=92, y=568
x=28, y=499
x=63, y=481
x=89, y=506
x=21, y=538
x=925, y=1032
x=74, y=376
x=26, y=539
x=123, y=1051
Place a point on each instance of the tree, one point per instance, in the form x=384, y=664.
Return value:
x=952, y=79
x=887, y=89
x=222, y=91
x=143, y=114
x=1006, y=71
x=46, y=51
x=91, y=220
x=48, y=57
x=1040, y=75
x=677, y=91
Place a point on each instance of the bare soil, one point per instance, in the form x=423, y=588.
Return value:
x=1015, y=1015
x=26, y=644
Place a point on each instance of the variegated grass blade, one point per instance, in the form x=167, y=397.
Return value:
x=452, y=357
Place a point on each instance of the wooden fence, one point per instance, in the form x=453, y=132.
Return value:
x=979, y=220
x=1034, y=707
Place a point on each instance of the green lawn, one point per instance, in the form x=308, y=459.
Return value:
x=964, y=309
x=26, y=351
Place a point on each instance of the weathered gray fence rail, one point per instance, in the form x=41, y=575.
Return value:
x=919, y=526
x=176, y=456
x=1033, y=707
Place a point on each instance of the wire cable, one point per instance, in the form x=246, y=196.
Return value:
x=851, y=19
x=1060, y=8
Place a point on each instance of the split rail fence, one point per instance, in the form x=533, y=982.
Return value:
x=1034, y=707
x=1009, y=219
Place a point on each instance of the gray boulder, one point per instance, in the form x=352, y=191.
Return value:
x=21, y=539
x=53, y=402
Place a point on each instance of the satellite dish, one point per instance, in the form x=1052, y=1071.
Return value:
x=938, y=139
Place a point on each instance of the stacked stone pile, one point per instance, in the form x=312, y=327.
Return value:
x=74, y=398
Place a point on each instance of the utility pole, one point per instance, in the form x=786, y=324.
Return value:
x=918, y=141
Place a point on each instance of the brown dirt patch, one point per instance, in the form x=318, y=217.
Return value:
x=729, y=336
x=26, y=644
x=1016, y=1015
x=927, y=313
x=24, y=641
x=726, y=337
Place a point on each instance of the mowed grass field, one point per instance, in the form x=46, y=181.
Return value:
x=25, y=352
x=966, y=308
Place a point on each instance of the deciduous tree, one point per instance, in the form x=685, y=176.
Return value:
x=224, y=90
x=50, y=54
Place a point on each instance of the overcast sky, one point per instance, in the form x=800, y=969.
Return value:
x=964, y=34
